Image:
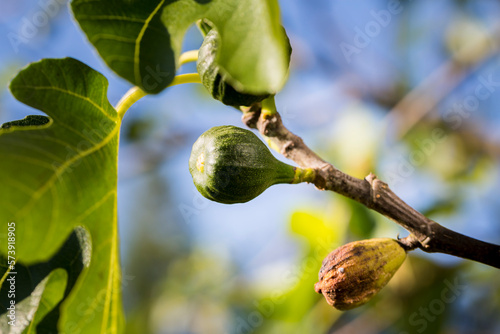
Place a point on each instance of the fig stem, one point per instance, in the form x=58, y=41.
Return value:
x=304, y=175
x=269, y=107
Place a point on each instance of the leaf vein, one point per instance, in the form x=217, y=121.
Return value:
x=61, y=169
x=116, y=38
x=112, y=266
x=137, y=71
x=109, y=18
x=85, y=98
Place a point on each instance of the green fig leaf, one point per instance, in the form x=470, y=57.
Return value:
x=59, y=173
x=38, y=290
x=142, y=40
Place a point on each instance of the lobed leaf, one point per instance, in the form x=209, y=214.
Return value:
x=59, y=173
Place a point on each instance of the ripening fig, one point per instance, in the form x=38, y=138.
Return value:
x=232, y=165
x=353, y=273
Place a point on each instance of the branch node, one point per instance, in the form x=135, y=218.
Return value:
x=287, y=148
x=251, y=115
x=322, y=181
x=425, y=242
x=375, y=186
x=269, y=124
x=409, y=243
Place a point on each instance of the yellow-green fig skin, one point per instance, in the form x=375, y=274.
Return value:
x=353, y=273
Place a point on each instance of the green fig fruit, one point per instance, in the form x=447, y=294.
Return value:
x=232, y=165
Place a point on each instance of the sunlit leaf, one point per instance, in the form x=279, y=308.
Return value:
x=142, y=40
x=61, y=174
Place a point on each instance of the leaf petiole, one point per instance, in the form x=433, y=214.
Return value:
x=132, y=96
x=135, y=93
x=185, y=78
x=188, y=56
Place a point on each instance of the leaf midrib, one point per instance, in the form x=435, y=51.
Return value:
x=137, y=70
x=59, y=171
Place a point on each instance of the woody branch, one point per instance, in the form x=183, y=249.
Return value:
x=426, y=234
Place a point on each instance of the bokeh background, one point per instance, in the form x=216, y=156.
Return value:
x=408, y=90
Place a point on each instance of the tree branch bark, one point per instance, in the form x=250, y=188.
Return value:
x=372, y=192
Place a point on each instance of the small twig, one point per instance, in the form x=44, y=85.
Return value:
x=373, y=193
